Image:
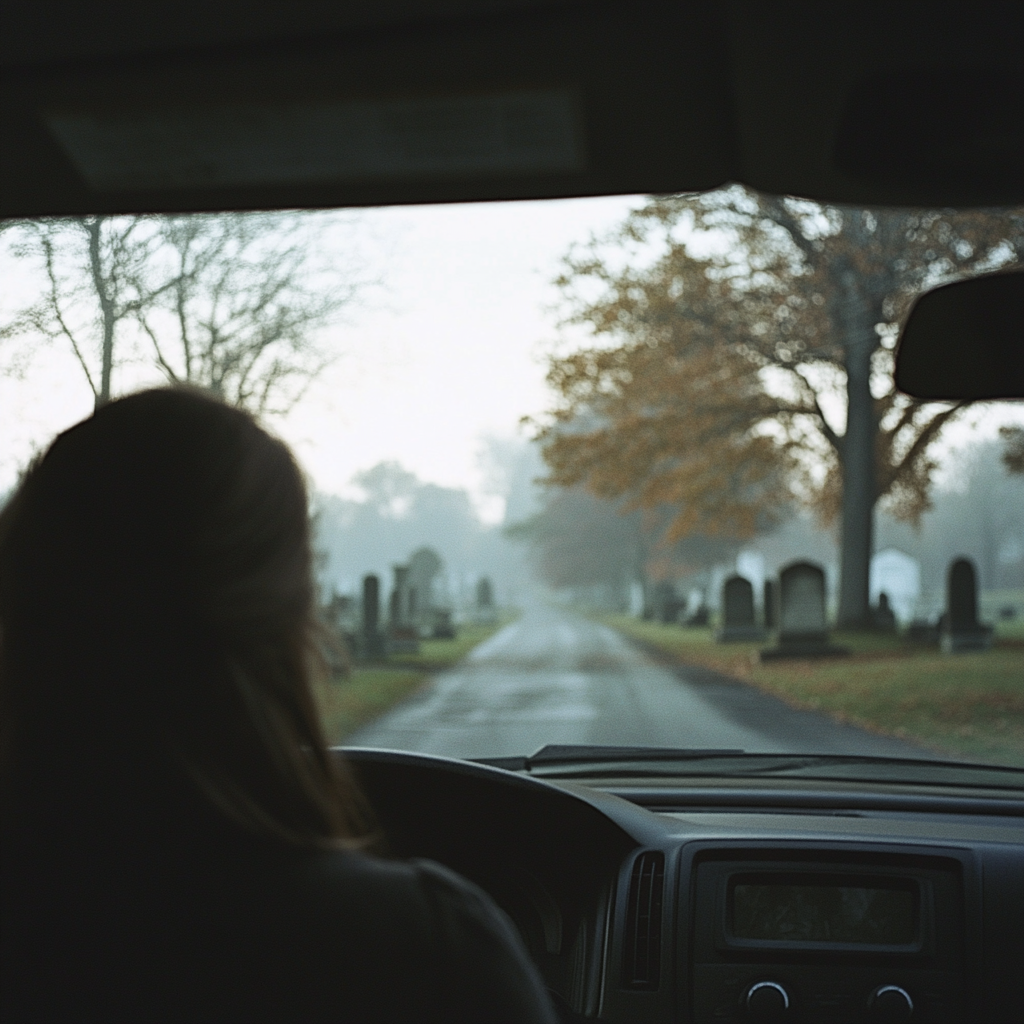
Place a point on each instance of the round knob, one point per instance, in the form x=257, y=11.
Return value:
x=890, y=1003
x=766, y=1000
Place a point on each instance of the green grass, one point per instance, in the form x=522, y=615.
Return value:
x=370, y=690
x=346, y=704
x=964, y=705
x=990, y=601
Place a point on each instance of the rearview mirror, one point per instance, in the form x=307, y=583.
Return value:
x=965, y=341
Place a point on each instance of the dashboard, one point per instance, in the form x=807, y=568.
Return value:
x=654, y=900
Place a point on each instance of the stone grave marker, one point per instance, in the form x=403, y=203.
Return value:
x=961, y=630
x=738, y=622
x=372, y=641
x=882, y=615
x=336, y=647
x=424, y=567
x=803, y=630
x=485, y=610
x=402, y=635
x=443, y=627
x=898, y=575
x=398, y=603
x=666, y=604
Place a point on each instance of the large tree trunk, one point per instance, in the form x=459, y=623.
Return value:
x=858, y=463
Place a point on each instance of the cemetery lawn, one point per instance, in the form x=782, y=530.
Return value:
x=370, y=690
x=968, y=706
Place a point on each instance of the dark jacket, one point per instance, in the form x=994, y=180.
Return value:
x=273, y=935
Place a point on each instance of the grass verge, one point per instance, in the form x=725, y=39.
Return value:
x=345, y=704
x=964, y=705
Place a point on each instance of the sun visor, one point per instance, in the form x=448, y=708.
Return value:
x=536, y=131
x=965, y=341
x=541, y=102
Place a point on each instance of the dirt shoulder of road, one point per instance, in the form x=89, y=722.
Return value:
x=368, y=691
x=965, y=705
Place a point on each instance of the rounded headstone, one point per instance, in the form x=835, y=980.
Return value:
x=961, y=597
x=802, y=599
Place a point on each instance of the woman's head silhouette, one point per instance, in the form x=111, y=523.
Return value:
x=158, y=625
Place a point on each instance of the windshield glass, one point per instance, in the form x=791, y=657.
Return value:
x=627, y=471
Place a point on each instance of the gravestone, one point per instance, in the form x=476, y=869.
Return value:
x=961, y=630
x=424, y=567
x=485, y=610
x=443, y=625
x=338, y=643
x=402, y=635
x=803, y=630
x=372, y=641
x=882, y=615
x=738, y=622
x=899, y=576
x=770, y=610
x=398, y=604
x=666, y=604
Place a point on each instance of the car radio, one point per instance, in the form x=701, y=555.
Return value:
x=813, y=936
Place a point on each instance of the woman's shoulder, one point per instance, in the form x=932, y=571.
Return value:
x=416, y=889
x=414, y=900
x=430, y=931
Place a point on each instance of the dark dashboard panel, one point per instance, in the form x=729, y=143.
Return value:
x=907, y=949
x=631, y=913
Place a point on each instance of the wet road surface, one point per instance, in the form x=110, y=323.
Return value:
x=554, y=677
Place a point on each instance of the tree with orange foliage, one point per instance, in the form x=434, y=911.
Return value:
x=742, y=359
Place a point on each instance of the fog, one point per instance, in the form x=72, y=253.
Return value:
x=397, y=512
x=977, y=511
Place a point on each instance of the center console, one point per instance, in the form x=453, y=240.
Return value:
x=806, y=933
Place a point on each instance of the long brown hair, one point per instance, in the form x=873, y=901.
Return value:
x=158, y=628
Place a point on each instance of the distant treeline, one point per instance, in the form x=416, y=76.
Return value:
x=399, y=514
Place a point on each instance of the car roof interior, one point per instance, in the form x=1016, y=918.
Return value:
x=117, y=107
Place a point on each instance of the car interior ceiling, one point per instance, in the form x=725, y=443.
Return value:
x=111, y=107
x=117, y=107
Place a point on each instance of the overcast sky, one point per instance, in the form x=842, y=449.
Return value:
x=448, y=351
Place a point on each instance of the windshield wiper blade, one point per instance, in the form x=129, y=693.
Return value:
x=596, y=761
x=569, y=753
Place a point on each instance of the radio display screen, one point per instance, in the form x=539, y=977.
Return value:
x=802, y=908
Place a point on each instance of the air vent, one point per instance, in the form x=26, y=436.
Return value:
x=641, y=962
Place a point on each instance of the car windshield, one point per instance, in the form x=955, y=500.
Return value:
x=623, y=472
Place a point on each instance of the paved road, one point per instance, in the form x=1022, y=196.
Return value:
x=553, y=677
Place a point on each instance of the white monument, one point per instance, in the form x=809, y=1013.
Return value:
x=899, y=576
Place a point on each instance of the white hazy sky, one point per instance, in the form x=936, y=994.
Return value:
x=445, y=353
x=448, y=352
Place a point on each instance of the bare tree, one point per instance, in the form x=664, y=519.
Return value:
x=248, y=301
x=97, y=278
x=232, y=302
